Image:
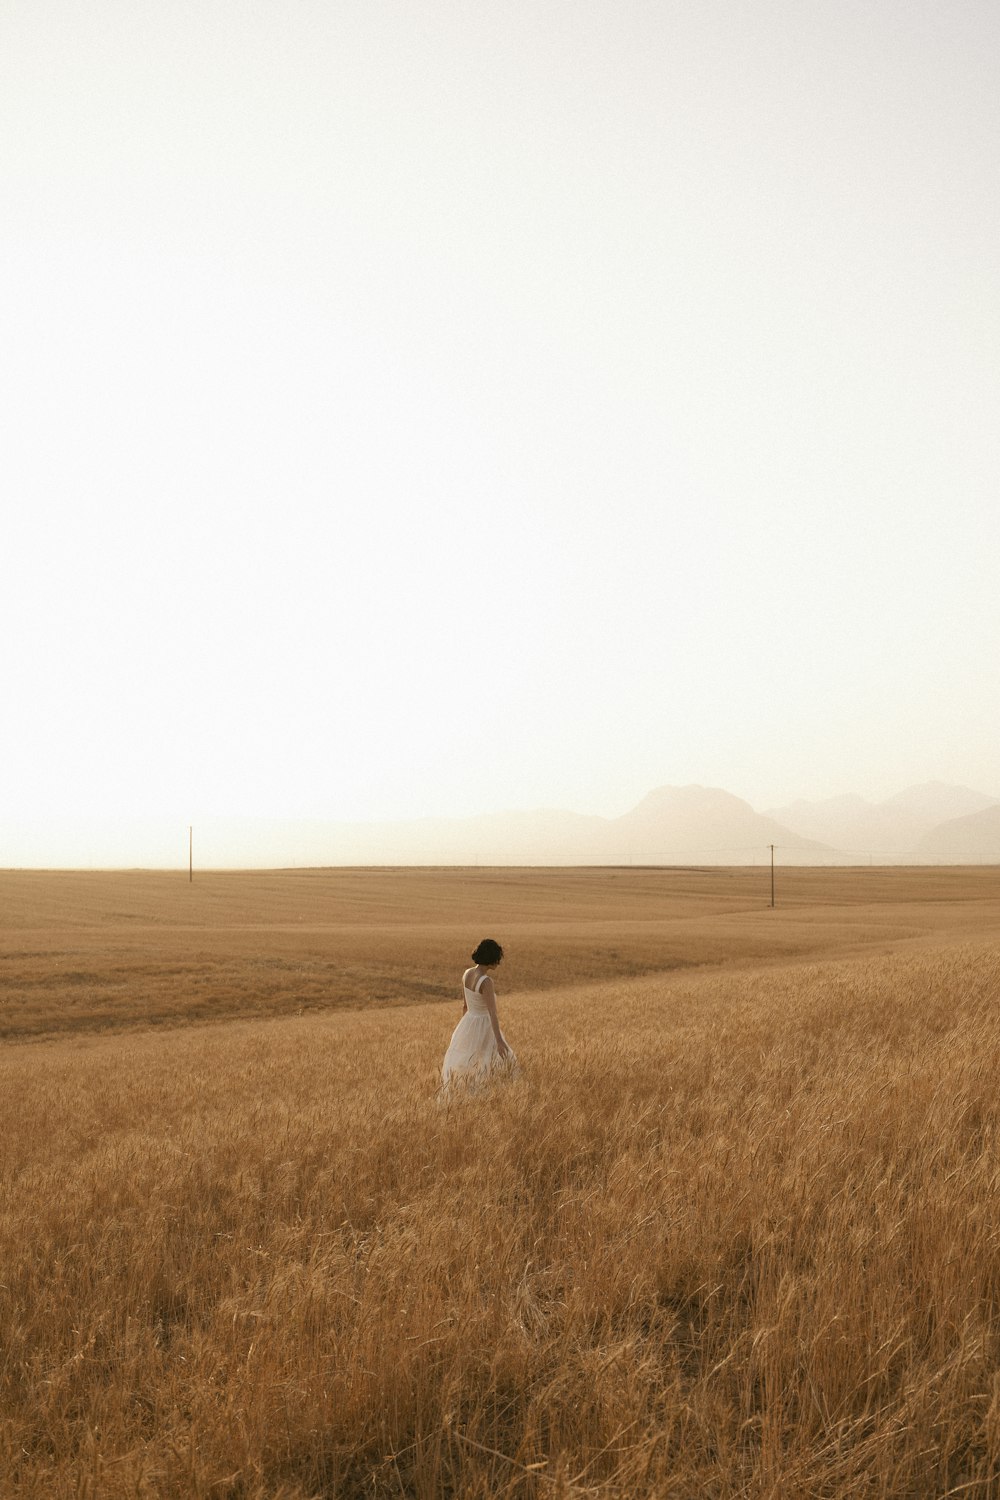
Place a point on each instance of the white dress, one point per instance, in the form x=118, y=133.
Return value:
x=473, y=1055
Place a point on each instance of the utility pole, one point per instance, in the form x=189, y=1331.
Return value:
x=191, y=855
x=771, y=847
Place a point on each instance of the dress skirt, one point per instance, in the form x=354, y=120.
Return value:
x=473, y=1056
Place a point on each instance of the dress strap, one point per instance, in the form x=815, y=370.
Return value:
x=480, y=982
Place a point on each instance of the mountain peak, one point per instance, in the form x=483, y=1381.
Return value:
x=939, y=801
x=688, y=800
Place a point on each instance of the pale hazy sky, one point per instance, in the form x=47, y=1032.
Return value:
x=442, y=407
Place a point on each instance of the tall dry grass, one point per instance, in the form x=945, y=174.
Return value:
x=732, y=1235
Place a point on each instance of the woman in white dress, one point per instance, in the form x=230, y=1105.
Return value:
x=478, y=1048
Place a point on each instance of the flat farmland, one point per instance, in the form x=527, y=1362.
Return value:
x=734, y=1232
x=90, y=951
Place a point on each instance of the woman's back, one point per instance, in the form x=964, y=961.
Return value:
x=473, y=994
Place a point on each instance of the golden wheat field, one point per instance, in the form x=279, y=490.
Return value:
x=735, y=1232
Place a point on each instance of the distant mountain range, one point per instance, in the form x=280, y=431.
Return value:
x=678, y=825
x=675, y=825
x=698, y=825
x=951, y=818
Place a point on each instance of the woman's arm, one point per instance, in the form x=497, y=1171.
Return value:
x=489, y=995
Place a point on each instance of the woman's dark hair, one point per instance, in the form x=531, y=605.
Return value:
x=488, y=952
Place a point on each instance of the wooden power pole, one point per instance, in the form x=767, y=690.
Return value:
x=771, y=846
